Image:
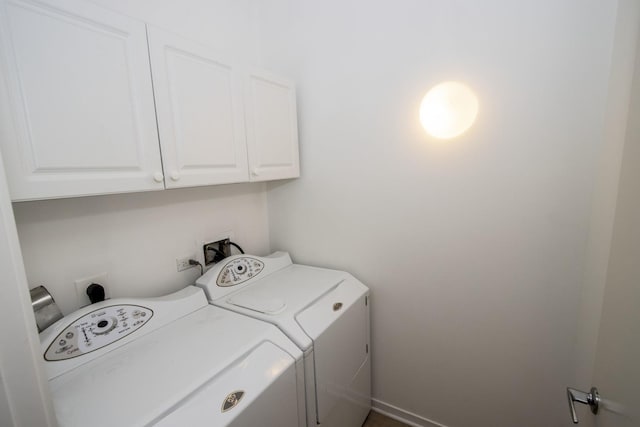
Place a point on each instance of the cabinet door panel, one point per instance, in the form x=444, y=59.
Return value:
x=200, y=113
x=80, y=100
x=272, y=129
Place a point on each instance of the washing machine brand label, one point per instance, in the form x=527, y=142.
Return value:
x=232, y=400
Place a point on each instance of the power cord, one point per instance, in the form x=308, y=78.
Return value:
x=236, y=246
x=217, y=251
x=221, y=252
x=194, y=262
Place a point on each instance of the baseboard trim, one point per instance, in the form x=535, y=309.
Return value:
x=402, y=415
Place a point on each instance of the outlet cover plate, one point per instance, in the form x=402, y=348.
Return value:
x=213, y=238
x=183, y=263
x=81, y=287
x=221, y=236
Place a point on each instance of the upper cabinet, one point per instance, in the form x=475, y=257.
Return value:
x=79, y=116
x=200, y=114
x=272, y=127
x=94, y=102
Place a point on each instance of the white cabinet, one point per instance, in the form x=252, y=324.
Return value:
x=78, y=117
x=78, y=114
x=200, y=114
x=272, y=127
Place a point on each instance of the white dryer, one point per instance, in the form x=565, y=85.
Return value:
x=325, y=312
x=171, y=361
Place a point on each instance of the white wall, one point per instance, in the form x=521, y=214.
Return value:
x=136, y=238
x=474, y=249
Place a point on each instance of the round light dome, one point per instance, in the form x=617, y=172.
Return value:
x=448, y=110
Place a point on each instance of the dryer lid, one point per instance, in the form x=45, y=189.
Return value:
x=280, y=296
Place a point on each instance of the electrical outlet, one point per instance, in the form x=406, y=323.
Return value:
x=183, y=263
x=81, y=287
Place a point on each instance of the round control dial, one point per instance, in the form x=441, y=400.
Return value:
x=105, y=326
x=239, y=270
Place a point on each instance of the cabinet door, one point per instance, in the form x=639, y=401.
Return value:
x=272, y=128
x=200, y=114
x=76, y=107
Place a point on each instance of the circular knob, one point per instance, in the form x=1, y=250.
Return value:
x=175, y=176
x=104, y=326
x=255, y=172
x=158, y=177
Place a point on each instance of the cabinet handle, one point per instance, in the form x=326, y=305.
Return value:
x=175, y=176
x=158, y=177
x=255, y=172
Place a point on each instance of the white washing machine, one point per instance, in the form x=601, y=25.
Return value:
x=325, y=312
x=171, y=361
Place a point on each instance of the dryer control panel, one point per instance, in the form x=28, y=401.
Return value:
x=239, y=270
x=96, y=330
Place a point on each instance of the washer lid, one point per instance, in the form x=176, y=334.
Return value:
x=143, y=381
x=257, y=302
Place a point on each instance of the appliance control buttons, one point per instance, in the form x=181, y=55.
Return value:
x=63, y=349
x=96, y=330
x=104, y=326
x=239, y=270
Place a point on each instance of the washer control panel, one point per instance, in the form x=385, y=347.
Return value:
x=239, y=270
x=97, y=329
